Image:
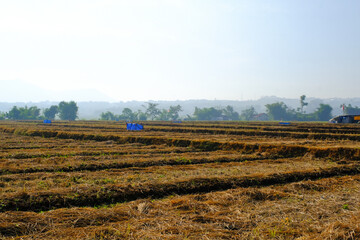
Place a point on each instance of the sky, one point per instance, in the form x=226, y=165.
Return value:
x=178, y=49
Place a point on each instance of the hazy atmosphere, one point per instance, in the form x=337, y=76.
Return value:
x=176, y=50
x=179, y=119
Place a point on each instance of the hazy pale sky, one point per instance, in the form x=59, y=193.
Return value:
x=182, y=49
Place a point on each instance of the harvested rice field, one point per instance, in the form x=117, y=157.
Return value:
x=190, y=180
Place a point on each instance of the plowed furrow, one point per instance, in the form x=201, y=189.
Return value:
x=113, y=193
x=280, y=150
x=127, y=164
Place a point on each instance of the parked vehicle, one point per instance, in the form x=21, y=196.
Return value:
x=346, y=119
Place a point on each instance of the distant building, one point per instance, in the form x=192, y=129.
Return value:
x=221, y=118
x=261, y=117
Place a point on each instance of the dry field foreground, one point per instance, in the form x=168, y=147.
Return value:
x=220, y=180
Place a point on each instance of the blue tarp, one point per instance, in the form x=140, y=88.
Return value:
x=47, y=121
x=134, y=126
x=284, y=123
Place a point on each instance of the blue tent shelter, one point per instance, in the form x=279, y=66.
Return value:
x=134, y=126
x=47, y=121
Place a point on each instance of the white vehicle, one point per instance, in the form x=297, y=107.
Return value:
x=346, y=119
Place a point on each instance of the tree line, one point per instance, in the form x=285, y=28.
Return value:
x=275, y=111
x=279, y=111
x=64, y=110
x=152, y=112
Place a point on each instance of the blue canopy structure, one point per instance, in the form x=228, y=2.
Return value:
x=47, y=121
x=134, y=126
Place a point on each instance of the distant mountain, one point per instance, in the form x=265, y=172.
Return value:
x=93, y=109
x=21, y=91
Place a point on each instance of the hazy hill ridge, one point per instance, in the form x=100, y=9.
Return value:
x=92, y=110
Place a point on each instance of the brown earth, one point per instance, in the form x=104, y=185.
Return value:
x=192, y=180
